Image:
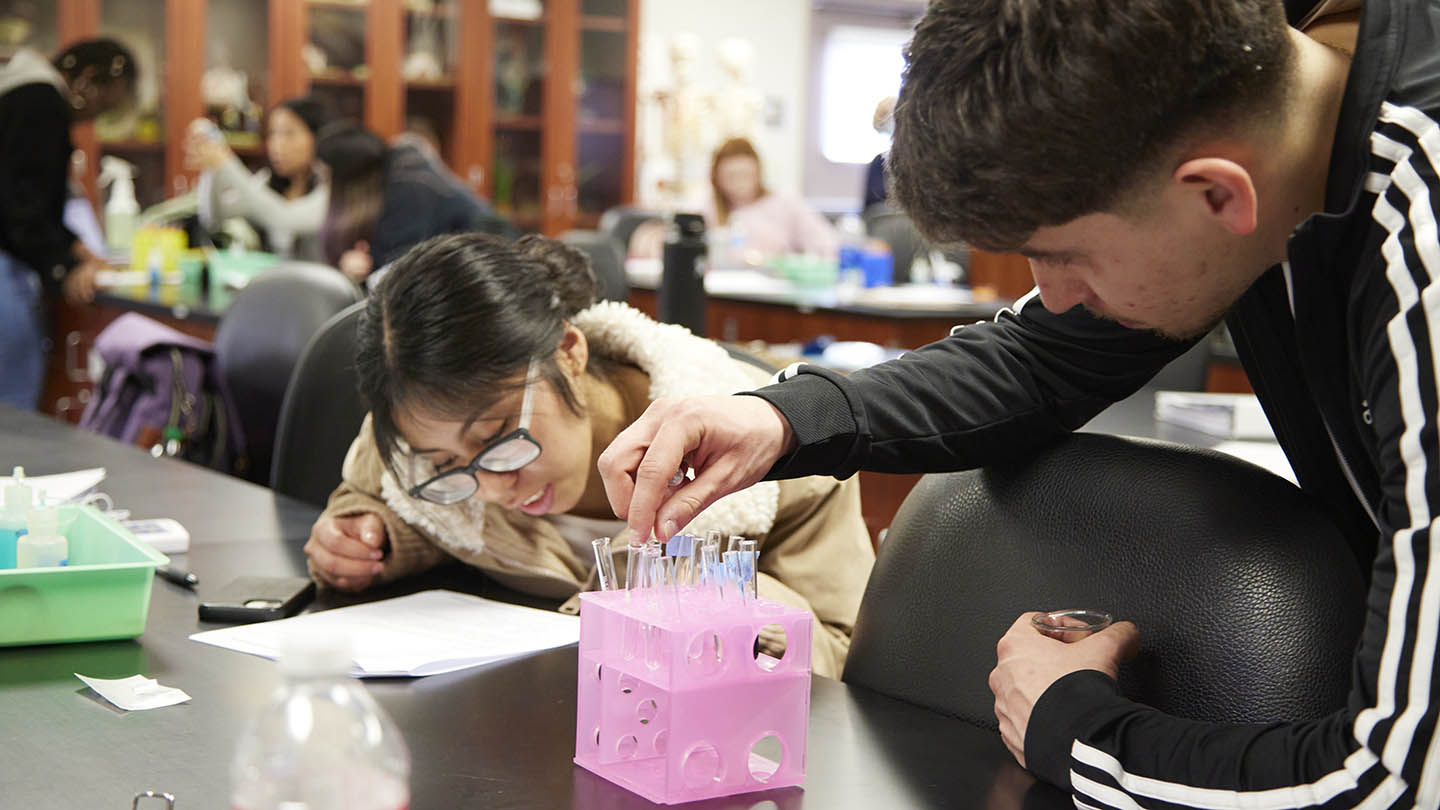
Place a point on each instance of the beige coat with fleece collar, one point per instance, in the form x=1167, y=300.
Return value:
x=815, y=552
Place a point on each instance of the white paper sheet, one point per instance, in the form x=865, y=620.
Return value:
x=61, y=487
x=135, y=693
x=426, y=633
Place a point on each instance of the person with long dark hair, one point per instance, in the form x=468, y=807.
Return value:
x=39, y=101
x=386, y=199
x=493, y=380
x=287, y=200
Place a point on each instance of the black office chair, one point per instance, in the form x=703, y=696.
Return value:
x=606, y=259
x=621, y=221
x=895, y=229
x=1249, y=601
x=260, y=338
x=321, y=413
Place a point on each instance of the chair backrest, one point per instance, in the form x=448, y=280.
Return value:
x=606, y=259
x=896, y=230
x=260, y=338
x=621, y=221
x=1248, y=600
x=321, y=413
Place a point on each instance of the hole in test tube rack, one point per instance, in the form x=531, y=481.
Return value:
x=599, y=672
x=662, y=739
x=647, y=710
x=701, y=765
x=705, y=654
x=766, y=756
x=769, y=648
x=597, y=736
x=627, y=746
x=628, y=684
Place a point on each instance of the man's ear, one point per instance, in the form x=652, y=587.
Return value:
x=1225, y=190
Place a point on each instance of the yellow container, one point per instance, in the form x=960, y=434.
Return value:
x=104, y=593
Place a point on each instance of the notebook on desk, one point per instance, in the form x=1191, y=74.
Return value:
x=1229, y=416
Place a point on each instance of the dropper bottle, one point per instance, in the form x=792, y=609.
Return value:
x=43, y=546
x=15, y=506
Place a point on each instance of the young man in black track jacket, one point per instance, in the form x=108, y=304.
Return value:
x=1165, y=165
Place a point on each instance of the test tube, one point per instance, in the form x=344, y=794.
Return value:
x=604, y=563
x=710, y=564
x=733, y=574
x=750, y=562
x=735, y=541
x=713, y=538
x=636, y=566
x=697, y=566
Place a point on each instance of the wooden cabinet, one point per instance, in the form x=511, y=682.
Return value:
x=532, y=102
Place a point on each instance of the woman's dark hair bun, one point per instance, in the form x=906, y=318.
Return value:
x=567, y=271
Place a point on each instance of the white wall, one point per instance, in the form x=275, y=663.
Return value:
x=779, y=30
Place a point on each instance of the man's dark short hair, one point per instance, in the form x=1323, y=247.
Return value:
x=1020, y=114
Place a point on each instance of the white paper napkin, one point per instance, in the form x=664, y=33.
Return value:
x=135, y=693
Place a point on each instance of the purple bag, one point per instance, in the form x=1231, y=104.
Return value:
x=161, y=391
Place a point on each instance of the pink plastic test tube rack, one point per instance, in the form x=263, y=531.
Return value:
x=673, y=699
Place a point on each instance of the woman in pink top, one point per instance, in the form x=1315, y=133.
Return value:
x=768, y=222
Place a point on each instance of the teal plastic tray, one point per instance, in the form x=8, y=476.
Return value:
x=104, y=593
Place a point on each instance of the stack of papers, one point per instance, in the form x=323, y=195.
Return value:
x=60, y=488
x=425, y=633
x=1229, y=416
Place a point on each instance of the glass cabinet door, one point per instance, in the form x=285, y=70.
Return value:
x=601, y=107
x=519, y=104
x=235, y=85
x=334, y=56
x=27, y=24
x=428, y=69
x=137, y=134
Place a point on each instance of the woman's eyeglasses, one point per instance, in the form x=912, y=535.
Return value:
x=505, y=454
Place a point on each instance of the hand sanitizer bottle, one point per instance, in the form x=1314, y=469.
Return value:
x=14, y=507
x=43, y=546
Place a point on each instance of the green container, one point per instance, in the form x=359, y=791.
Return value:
x=104, y=593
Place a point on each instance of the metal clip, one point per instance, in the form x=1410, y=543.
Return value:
x=150, y=794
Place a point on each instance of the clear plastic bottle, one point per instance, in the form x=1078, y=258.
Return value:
x=321, y=742
x=43, y=545
x=15, y=504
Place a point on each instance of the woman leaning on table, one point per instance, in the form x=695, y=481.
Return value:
x=494, y=379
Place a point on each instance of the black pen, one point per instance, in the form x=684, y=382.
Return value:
x=184, y=579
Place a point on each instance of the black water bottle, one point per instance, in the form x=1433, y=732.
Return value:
x=682, y=277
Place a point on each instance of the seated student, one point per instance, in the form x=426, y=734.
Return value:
x=384, y=200
x=285, y=201
x=478, y=355
x=768, y=222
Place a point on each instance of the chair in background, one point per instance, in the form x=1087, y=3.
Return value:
x=260, y=338
x=321, y=413
x=621, y=221
x=895, y=229
x=1248, y=599
x=607, y=260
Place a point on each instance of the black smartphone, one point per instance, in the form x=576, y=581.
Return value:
x=258, y=599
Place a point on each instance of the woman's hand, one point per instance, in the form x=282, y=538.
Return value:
x=203, y=151
x=347, y=553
